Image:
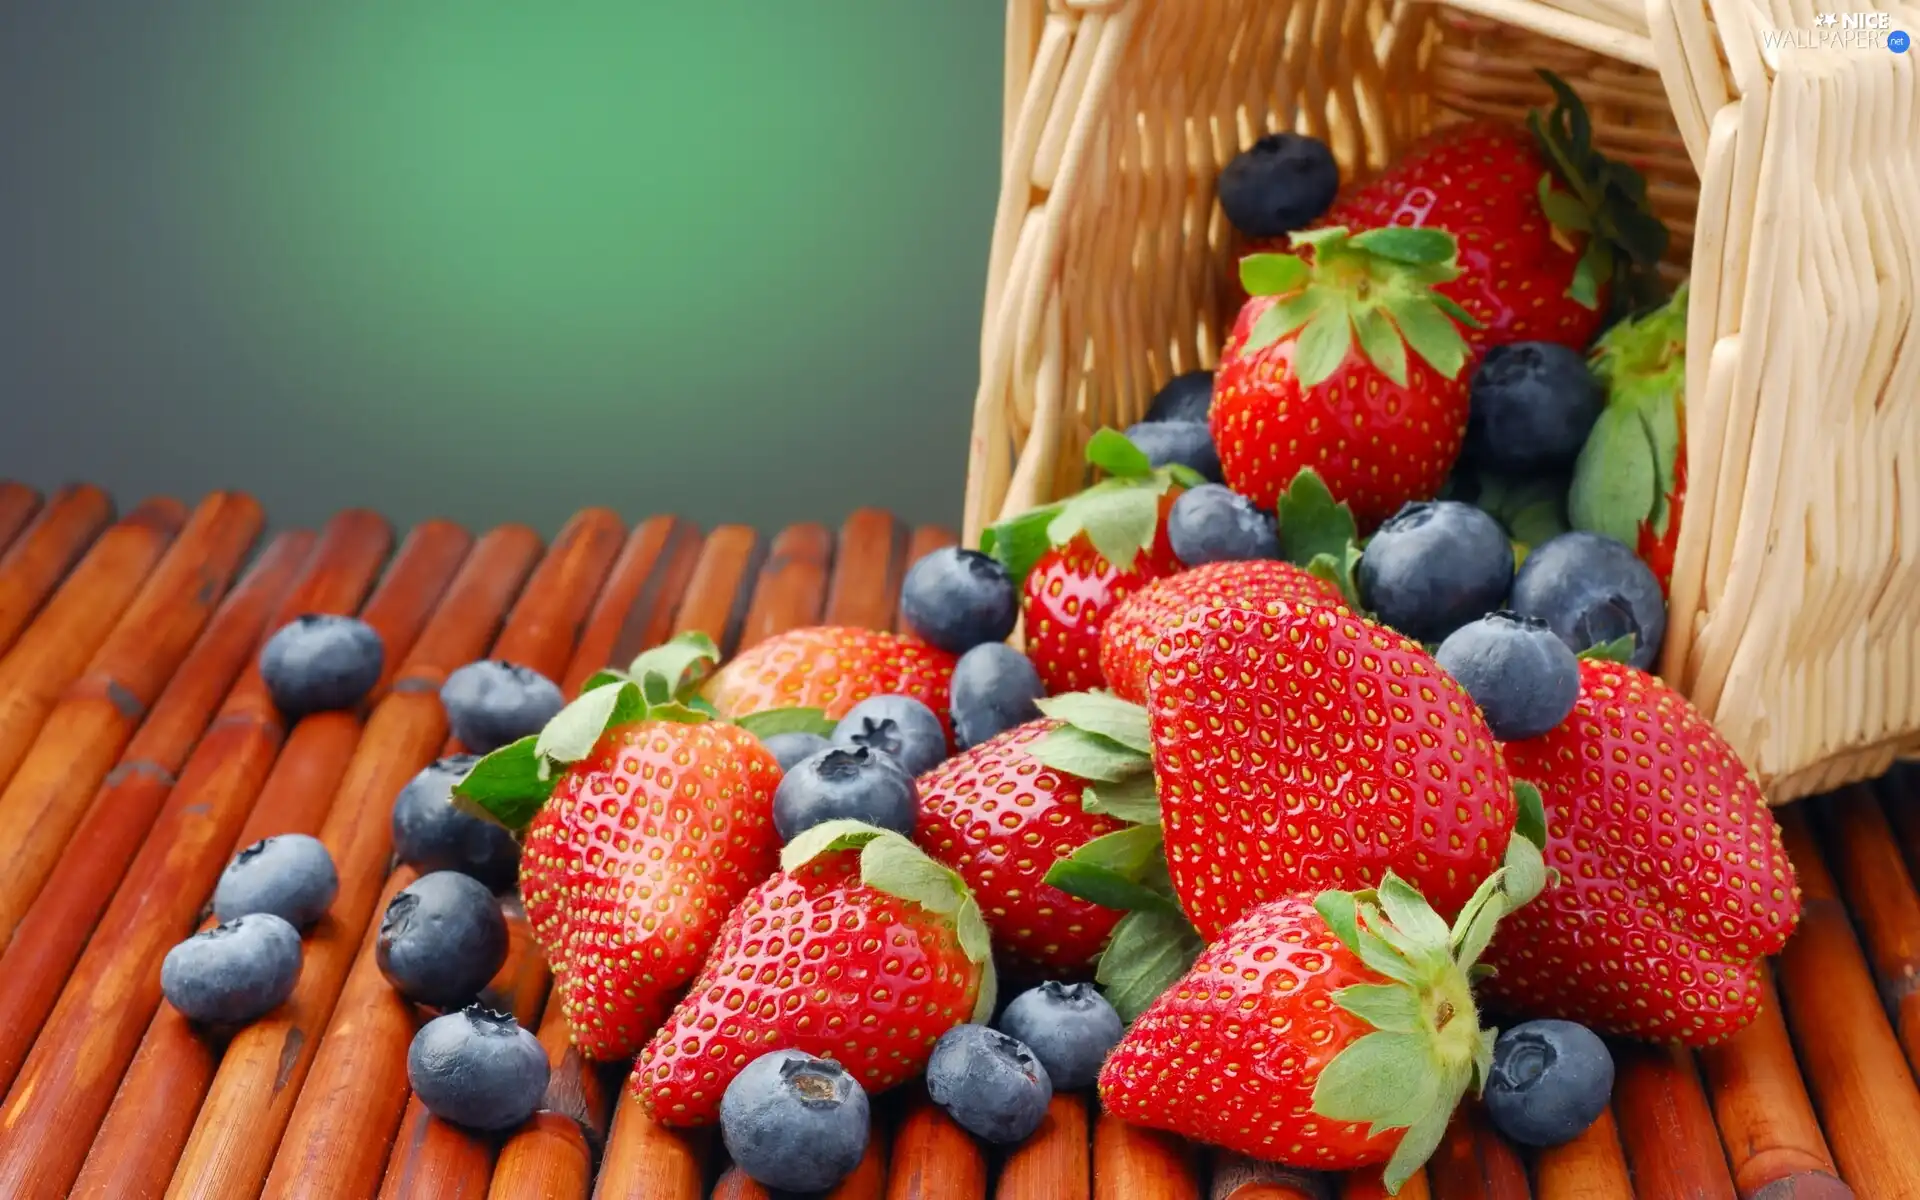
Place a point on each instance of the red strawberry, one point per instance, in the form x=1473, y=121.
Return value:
x=1631, y=480
x=1299, y=747
x=644, y=822
x=831, y=668
x=1672, y=883
x=1350, y=364
x=861, y=950
x=1129, y=636
x=1326, y=1034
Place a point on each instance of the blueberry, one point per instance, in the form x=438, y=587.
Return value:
x=1217, y=524
x=490, y=703
x=442, y=939
x=860, y=784
x=1281, y=183
x=290, y=876
x=1524, y=678
x=235, y=972
x=790, y=748
x=321, y=663
x=431, y=834
x=1435, y=566
x=1592, y=590
x=478, y=1068
x=958, y=599
x=1550, y=1080
x=994, y=688
x=1532, y=406
x=1070, y=1028
x=1186, y=397
x=1178, y=443
x=896, y=725
x=793, y=1122
x=990, y=1084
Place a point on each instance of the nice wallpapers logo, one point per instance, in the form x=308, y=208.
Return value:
x=1859, y=31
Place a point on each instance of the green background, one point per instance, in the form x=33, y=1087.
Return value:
x=498, y=261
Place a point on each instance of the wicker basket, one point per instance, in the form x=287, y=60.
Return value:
x=1789, y=176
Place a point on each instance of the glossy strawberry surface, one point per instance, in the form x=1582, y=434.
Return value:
x=1067, y=597
x=832, y=668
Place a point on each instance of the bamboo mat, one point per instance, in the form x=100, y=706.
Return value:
x=138, y=750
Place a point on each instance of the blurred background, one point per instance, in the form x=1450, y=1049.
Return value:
x=498, y=261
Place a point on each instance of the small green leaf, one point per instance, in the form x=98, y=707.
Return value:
x=1112, y=452
x=1410, y=912
x=1614, y=478
x=824, y=838
x=1272, y=274
x=1384, y=1079
x=1530, y=813
x=1084, y=755
x=774, y=721
x=1416, y=1147
x=1562, y=208
x=1103, y=713
x=1381, y=343
x=1341, y=912
x=576, y=729
x=988, y=999
x=702, y=706
x=1619, y=650
x=1430, y=332
x=1381, y=955
x=681, y=662
x=1120, y=522
x=602, y=678
x=506, y=787
x=1135, y=800
x=1526, y=872
x=1482, y=896
x=1312, y=522
x=1109, y=889
x=1148, y=953
x=1019, y=542
x=1483, y=1058
x=1388, y=1007
x=1324, y=345
x=1132, y=852
x=1185, y=475
x=1479, y=931
x=1460, y=315
x=1283, y=318
x=1594, y=268
x=1539, y=522
x=1407, y=244
x=1340, y=573
x=892, y=864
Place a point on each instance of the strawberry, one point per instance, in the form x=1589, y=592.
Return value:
x=1672, y=883
x=861, y=949
x=644, y=820
x=1298, y=747
x=1350, y=362
x=831, y=668
x=1138, y=622
x=1076, y=559
x=1326, y=1033
x=1631, y=480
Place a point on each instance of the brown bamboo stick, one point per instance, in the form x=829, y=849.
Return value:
x=870, y=561
x=68, y=1080
x=253, y=1093
x=1665, y=1123
x=39, y=556
x=1765, y=1116
x=635, y=609
x=1054, y=1163
x=18, y=503
x=926, y=539
x=645, y=1160
x=1131, y=1163
x=548, y=1156
x=729, y=559
x=794, y=579
x=53, y=651
x=1886, y=912
x=1859, y=1080
x=1367, y=1184
x=934, y=1159
x=1590, y=1167
x=1236, y=1177
x=1473, y=1163
x=53, y=932
x=95, y=718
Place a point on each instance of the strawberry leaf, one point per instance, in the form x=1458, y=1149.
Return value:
x=1134, y=852
x=1107, y=888
x=774, y=721
x=1283, y=318
x=1114, y=453
x=1119, y=521
x=1407, y=244
x=1614, y=478
x=1148, y=953
x=574, y=731
x=1562, y=208
x=1019, y=542
x=1417, y=1146
x=1453, y=310
x=1083, y=755
x=1323, y=346
x=1384, y=1079
x=1530, y=812
x=1340, y=573
x=1429, y=331
x=680, y=663
x=1103, y=713
x=1381, y=343
x=506, y=787
x=1619, y=650
x=603, y=677
x=1135, y=800
x=1272, y=274
x=890, y=863
x=1385, y=1006
x=1312, y=522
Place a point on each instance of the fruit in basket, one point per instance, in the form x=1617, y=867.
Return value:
x=795, y=1123
x=898, y=726
x=321, y=662
x=958, y=599
x=1550, y=1080
x=1184, y=398
x=478, y=1068
x=1672, y=884
x=1178, y=443
x=1631, y=479
x=1078, y=558
x=233, y=973
x=1217, y=524
x=441, y=939
x=1520, y=674
x=291, y=876
x=1532, y=509
x=790, y=748
x=845, y=784
x=1434, y=567
x=1348, y=359
x=1531, y=406
x=431, y=833
x=995, y=688
x=1549, y=228
x=1128, y=639
x=645, y=821
x=490, y=703
x=1327, y=1032
x=830, y=668
x=860, y=949
x=990, y=1084
x=1283, y=182
x=1069, y=1027
x=1593, y=591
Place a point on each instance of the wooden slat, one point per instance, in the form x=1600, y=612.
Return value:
x=54, y=650
x=96, y=716
x=868, y=564
x=39, y=556
x=18, y=503
x=1472, y=1163
x=1590, y=1167
x=1053, y=1164
x=1765, y=1116
x=1130, y=1163
x=1873, y=878
x=934, y=1159
x=635, y=610
x=1665, y=1122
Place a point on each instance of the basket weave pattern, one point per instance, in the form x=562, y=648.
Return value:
x=1789, y=177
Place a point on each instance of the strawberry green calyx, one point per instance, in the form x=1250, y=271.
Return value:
x=1619, y=650
x=1376, y=287
x=1318, y=533
x=892, y=864
x=1629, y=470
